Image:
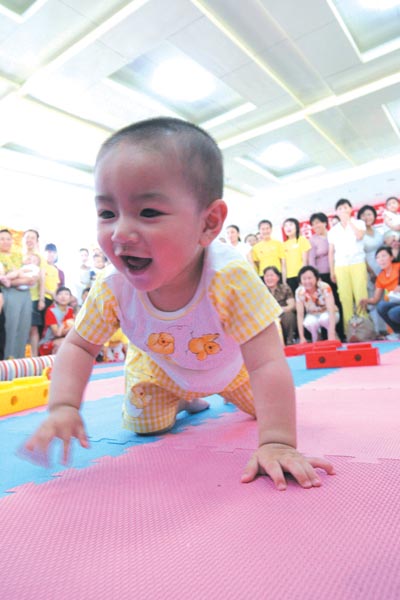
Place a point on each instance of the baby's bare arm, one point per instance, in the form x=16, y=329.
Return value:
x=274, y=399
x=70, y=375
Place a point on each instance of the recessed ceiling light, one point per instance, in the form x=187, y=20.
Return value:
x=281, y=155
x=181, y=79
x=379, y=4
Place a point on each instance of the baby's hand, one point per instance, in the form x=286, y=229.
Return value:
x=275, y=459
x=64, y=422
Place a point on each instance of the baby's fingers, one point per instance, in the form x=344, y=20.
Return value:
x=36, y=450
x=275, y=471
x=322, y=463
x=251, y=470
x=65, y=452
x=40, y=440
x=81, y=435
x=302, y=471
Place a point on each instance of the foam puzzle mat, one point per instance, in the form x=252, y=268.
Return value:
x=167, y=517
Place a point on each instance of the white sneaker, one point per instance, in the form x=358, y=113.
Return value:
x=393, y=337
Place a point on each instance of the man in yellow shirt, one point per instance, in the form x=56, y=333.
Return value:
x=268, y=252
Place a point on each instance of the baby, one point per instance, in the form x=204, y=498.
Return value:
x=30, y=268
x=198, y=318
x=391, y=215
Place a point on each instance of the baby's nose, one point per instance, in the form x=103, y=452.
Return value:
x=125, y=232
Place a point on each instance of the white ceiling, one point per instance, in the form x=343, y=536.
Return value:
x=321, y=74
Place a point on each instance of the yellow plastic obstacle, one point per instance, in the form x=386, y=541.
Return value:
x=24, y=393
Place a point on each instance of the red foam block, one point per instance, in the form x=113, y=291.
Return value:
x=298, y=349
x=356, y=355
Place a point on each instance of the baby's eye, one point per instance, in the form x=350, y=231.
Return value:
x=150, y=213
x=105, y=214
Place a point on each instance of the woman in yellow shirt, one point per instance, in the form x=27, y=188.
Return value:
x=296, y=248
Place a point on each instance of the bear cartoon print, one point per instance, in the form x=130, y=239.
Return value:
x=136, y=401
x=204, y=346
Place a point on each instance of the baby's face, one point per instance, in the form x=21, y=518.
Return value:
x=149, y=222
x=392, y=205
x=31, y=259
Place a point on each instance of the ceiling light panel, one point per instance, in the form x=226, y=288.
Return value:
x=31, y=45
x=19, y=10
x=17, y=6
x=282, y=155
x=301, y=135
x=49, y=133
x=179, y=90
x=280, y=159
x=373, y=27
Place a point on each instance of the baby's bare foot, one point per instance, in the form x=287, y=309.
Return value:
x=195, y=406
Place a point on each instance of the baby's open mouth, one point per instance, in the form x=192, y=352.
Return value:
x=136, y=263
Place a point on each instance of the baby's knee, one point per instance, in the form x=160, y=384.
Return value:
x=148, y=410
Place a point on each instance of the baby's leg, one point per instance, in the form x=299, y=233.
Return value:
x=150, y=409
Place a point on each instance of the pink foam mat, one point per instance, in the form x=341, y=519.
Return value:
x=104, y=388
x=158, y=522
x=171, y=519
x=362, y=425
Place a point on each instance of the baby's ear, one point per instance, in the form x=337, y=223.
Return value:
x=214, y=217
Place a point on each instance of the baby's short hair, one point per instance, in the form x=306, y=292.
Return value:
x=202, y=163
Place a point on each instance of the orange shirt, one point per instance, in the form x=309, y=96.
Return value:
x=390, y=282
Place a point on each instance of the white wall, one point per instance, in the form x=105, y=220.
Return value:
x=62, y=213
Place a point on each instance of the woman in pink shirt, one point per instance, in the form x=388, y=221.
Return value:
x=318, y=257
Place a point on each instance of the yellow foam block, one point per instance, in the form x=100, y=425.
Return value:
x=24, y=393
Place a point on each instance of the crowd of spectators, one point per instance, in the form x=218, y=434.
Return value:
x=37, y=309
x=349, y=264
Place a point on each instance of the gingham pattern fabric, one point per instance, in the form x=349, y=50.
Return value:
x=98, y=320
x=155, y=396
x=236, y=299
x=243, y=302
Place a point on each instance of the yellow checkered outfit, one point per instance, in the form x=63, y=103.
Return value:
x=184, y=355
